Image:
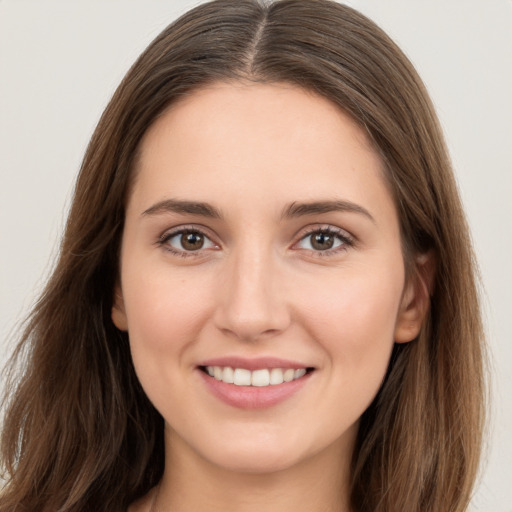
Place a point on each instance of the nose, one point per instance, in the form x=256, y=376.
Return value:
x=251, y=303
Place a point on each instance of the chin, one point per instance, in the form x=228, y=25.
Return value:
x=257, y=461
x=260, y=454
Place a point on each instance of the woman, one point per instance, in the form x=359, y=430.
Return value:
x=265, y=294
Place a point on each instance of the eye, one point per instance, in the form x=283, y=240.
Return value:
x=325, y=240
x=186, y=241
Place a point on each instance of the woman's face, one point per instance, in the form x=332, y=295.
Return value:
x=262, y=246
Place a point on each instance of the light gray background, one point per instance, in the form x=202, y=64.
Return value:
x=60, y=62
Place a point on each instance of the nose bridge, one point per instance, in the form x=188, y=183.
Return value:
x=251, y=303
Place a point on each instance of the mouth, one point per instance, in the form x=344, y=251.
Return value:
x=254, y=383
x=261, y=377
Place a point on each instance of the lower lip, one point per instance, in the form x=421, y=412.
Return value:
x=253, y=397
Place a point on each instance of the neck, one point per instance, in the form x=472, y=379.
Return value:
x=192, y=483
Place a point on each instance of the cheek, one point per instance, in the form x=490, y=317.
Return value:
x=354, y=317
x=165, y=314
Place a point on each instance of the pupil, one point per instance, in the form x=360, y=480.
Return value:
x=192, y=241
x=322, y=241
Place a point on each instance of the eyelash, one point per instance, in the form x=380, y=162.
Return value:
x=346, y=240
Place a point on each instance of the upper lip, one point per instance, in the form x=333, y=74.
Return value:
x=256, y=363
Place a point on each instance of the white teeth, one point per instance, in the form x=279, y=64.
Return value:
x=227, y=375
x=242, y=377
x=276, y=376
x=288, y=375
x=299, y=373
x=259, y=378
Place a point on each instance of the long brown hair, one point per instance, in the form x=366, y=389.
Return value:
x=80, y=434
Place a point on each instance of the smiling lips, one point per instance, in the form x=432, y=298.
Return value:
x=254, y=384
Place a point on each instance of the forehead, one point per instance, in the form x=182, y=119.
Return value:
x=259, y=140
x=272, y=112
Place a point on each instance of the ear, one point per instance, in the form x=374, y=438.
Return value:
x=118, y=311
x=416, y=299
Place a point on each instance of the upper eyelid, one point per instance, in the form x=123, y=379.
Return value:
x=170, y=232
x=326, y=228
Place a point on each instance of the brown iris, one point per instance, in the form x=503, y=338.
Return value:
x=192, y=241
x=322, y=241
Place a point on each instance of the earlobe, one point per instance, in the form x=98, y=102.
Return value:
x=416, y=299
x=118, y=314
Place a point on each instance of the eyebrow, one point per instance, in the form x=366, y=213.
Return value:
x=178, y=206
x=293, y=210
x=301, y=209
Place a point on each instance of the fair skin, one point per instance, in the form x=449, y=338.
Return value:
x=260, y=281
